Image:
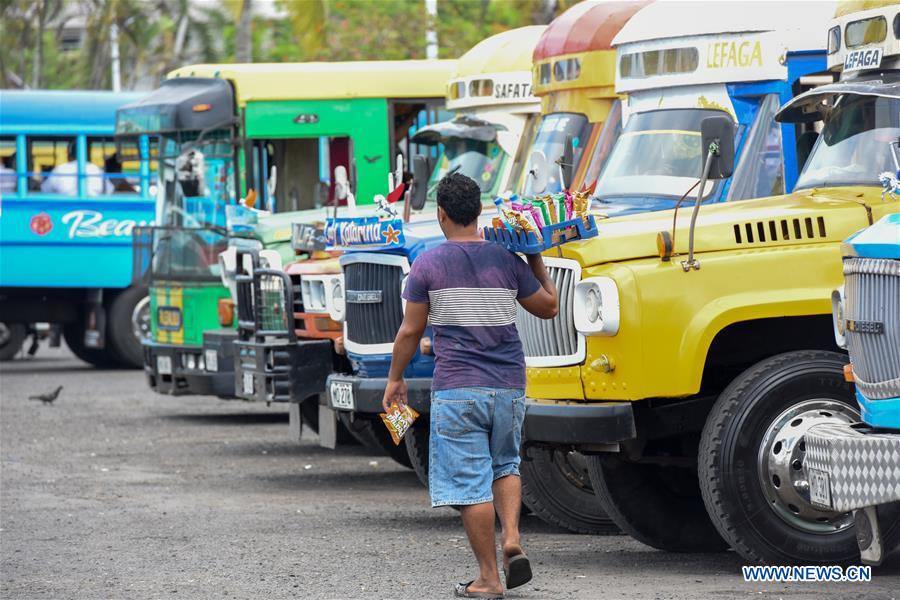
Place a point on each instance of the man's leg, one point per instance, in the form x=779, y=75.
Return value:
x=478, y=520
x=508, y=503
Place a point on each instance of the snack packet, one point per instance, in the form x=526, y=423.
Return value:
x=535, y=214
x=540, y=204
x=581, y=204
x=560, y=201
x=509, y=216
x=552, y=209
x=528, y=224
x=398, y=421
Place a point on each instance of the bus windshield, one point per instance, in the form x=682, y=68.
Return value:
x=658, y=155
x=482, y=161
x=550, y=139
x=179, y=253
x=197, y=206
x=855, y=145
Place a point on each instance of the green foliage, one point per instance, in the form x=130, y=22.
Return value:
x=159, y=35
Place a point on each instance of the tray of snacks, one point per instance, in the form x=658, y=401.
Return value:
x=532, y=226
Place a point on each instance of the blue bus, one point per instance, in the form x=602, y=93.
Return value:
x=69, y=199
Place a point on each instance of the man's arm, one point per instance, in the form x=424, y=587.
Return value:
x=414, y=321
x=544, y=303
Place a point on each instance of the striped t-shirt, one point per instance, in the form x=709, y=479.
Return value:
x=471, y=290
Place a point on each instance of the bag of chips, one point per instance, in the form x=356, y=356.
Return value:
x=398, y=421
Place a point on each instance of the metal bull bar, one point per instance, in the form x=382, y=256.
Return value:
x=271, y=363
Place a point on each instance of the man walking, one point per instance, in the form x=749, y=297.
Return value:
x=468, y=288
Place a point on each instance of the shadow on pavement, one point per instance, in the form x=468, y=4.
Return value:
x=372, y=478
x=309, y=448
x=52, y=365
x=261, y=418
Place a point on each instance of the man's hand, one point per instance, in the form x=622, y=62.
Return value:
x=405, y=344
x=544, y=303
x=394, y=392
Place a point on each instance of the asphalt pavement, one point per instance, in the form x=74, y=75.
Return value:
x=113, y=491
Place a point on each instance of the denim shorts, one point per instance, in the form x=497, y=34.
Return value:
x=476, y=433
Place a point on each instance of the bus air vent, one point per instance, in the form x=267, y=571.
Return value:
x=759, y=232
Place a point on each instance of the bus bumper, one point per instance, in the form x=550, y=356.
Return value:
x=363, y=395
x=281, y=371
x=854, y=468
x=578, y=423
x=178, y=370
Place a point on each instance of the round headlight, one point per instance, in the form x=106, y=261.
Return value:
x=317, y=291
x=593, y=305
x=191, y=362
x=337, y=297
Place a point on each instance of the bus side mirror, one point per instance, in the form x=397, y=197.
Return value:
x=190, y=170
x=341, y=183
x=567, y=164
x=419, y=190
x=717, y=136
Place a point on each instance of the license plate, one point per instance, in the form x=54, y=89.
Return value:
x=248, y=384
x=819, y=488
x=342, y=395
x=212, y=360
x=164, y=365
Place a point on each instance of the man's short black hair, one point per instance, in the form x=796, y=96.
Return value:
x=460, y=197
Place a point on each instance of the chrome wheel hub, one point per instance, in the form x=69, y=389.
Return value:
x=140, y=320
x=780, y=464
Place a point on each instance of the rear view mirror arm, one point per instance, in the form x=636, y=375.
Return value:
x=711, y=154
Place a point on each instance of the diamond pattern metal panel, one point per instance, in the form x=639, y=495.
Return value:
x=863, y=468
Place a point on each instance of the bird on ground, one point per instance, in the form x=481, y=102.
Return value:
x=49, y=397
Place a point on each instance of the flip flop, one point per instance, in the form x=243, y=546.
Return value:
x=462, y=591
x=518, y=571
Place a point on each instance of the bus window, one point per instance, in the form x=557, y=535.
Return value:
x=102, y=153
x=760, y=170
x=8, y=181
x=298, y=168
x=50, y=155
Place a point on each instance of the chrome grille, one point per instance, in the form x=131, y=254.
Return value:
x=371, y=323
x=872, y=297
x=553, y=342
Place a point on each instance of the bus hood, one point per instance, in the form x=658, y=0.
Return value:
x=807, y=216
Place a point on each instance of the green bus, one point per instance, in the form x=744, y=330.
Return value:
x=244, y=152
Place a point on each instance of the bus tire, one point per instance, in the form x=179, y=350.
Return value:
x=74, y=335
x=374, y=435
x=659, y=506
x=556, y=488
x=128, y=322
x=751, y=459
x=12, y=336
x=416, y=441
